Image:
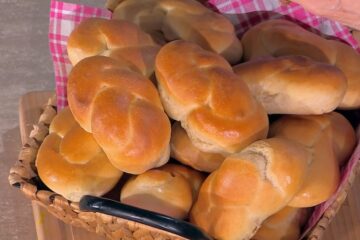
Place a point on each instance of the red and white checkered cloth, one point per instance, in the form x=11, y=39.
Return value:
x=242, y=13
x=63, y=19
x=247, y=13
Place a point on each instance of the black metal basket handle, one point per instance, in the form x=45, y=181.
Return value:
x=160, y=221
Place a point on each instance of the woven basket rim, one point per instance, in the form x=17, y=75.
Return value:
x=23, y=176
x=23, y=173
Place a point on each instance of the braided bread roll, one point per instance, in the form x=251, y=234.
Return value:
x=117, y=39
x=123, y=111
x=183, y=150
x=249, y=187
x=294, y=84
x=329, y=145
x=281, y=37
x=160, y=191
x=168, y=20
x=71, y=163
x=215, y=107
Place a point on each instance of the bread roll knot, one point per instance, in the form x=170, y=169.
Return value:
x=117, y=39
x=282, y=38
x=71, y=163
x=169, y=190
x=122, y=109
x=330, y=139
x=215, y=107
x=249, y=187
x=168, y=20
x=294, y=84
x=159, y=191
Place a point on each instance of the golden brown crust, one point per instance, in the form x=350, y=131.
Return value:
x=168, y=20
x=318, y=133
x=215, y=107
x=194, y=177
x=118, y=39
x=123, y=111
x=294, y=84
x=159, y=191
x=281, y=37
x=71, y=163
x=249, y=187
x=183, y=150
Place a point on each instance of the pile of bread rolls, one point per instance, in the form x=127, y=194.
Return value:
x=165, y=80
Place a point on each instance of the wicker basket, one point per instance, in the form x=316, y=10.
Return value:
x=23, y=176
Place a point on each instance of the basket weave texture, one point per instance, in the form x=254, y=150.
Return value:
x=23, y=175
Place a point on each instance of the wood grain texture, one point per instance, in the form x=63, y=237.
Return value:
x=345, y=226
x=47, y=226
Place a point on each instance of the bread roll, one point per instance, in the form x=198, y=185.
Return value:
x=215, y=107
x=123, y=111
x=168, y=20
x=71, y=163
x=249, y=187
x=183, y=150
x=319, y=135
x=281, y=37
x=283, y=225
x=159, y=191
x=194, y=177
x=118, y=39
x=294, y=84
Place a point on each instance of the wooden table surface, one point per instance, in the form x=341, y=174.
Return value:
x=346, y=225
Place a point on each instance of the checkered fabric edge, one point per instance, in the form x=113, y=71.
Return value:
x=63, y=19
x=246, y=13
